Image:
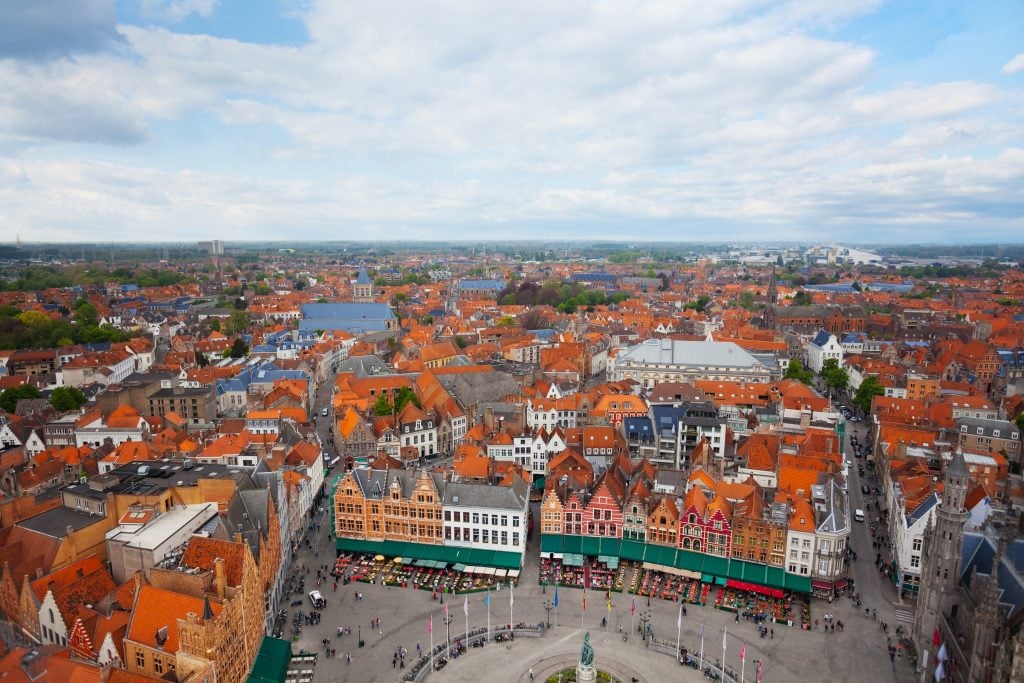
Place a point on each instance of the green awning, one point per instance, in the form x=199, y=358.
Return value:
x=754, y=572
x=611, y=546
x=707, y=578
x=632, y=550
x=590, y=546
x=572, y=560
x=718, y=566
x=612, y=563
x=271, y=663
x=552, y=543
x=439, y=555
x=720, y=580
x=573, y=544
x=661, y=554
x=775, y=577
x=459, y=567
x=689, y=560
x=797, y=583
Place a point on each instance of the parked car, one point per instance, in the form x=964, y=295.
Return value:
x=324, y=412
x=316, y=598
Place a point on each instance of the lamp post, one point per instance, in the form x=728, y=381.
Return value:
x=447, y=635
x=548, y=606
x=645, y=618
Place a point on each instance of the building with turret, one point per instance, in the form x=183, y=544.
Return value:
x=970, y=606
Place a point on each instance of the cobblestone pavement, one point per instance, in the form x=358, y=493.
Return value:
x=858, y=654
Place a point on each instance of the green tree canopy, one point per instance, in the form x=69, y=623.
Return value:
x=239, y=349
x=797, y=371
x=867, y=390
x=835, y=377
x=87, y=315
x=67, y=398
x=10, y=397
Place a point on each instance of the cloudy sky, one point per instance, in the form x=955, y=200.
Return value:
x=850, y=120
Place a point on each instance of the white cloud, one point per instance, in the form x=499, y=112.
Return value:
x=437, y=117
x=1015, y=65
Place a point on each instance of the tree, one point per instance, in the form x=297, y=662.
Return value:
x=239, y=321
x=382, y=406
x=10, y=397
x=1020, y=422
x=746, y=300
x=797, y=371
x=802, y=298
x=460, y=342
x=404, y=397
x=239, y=349
x=66, y=399
x=214, y=325
x=835, y=377
x=87, y=315
x=201, y=359
x=867, y=390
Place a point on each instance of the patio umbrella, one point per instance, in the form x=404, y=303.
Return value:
x=379, y=558
x=397, y=560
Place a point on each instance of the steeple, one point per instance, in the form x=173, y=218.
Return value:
x=942, y=554
x=773, y=290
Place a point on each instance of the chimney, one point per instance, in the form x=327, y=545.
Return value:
x=220, y=578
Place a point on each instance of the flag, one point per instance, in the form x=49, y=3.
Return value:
x=760, y=671
x=940, y=672
x=725, y=632
x=586, y=577
x=465, y=605
x=935, y=638
x=679, y=619
x=743, y=652
x=632, y=608
x=942, y=653
x=430, y=624
x=609, y=605
x=511, y=597
x=556, y=596
x=446, y=611
x=584, y=599
x=487, y=599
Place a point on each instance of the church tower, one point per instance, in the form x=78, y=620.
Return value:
x=987, y=617
x=362, y=289
x=772, y=300
x=941, y=555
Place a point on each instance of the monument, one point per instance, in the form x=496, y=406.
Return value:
x=585, y=671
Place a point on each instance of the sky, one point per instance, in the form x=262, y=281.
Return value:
x=808, y=120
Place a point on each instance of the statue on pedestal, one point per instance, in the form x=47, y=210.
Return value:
x=587, y=653
x=585, y=670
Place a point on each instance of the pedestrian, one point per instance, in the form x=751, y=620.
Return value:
x=531, y=673
x=348, y=657
x=815, y=623
x=737, y=617
x=773, y=634
x=394, y=661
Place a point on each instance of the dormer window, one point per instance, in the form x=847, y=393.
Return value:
x=963, y=429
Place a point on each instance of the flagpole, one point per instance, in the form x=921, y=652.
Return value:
x=430, y=627
x=743, y=665
x=679, y=628
x=488, y=601
x=702, y=647
x=725, y=637
x=511, y=601
x=465, y=610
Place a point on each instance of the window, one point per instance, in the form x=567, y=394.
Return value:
x=917, y=545
x=158, y=665
x=140, y=658
x=476, y=518
x=515, y=521
x=494, y=520
x=504, y=520
x=476, y=535
x=915, y=561
x=487, y=536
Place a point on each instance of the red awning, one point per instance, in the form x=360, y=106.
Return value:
x=752, y=587
x=823, y=585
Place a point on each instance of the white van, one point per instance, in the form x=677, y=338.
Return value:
x=858, y=515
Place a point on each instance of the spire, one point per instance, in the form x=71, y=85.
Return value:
x=957, y=467
x=207, y=609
